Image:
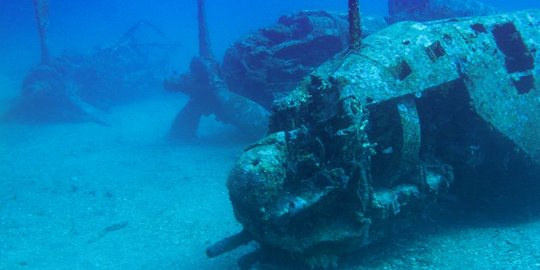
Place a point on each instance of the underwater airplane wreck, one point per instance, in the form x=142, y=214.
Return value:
x=374, y=138
x=79, y=87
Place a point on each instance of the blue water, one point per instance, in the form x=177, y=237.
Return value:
x=83, y=24
x=84, y=196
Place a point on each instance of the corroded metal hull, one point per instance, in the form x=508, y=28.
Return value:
x=371, y=140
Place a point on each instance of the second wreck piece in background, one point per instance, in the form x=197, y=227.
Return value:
x=208, y=94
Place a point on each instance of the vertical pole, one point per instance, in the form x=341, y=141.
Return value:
x=41, y=8
x=204, y=38
x=355, y=27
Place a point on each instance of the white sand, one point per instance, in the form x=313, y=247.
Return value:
x=61, y=185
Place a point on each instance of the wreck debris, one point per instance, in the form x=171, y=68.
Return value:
x=83, y=87
x=208, y=94
x=229, y=244
x=370, y=141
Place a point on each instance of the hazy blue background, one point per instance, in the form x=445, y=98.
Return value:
x=81, y=25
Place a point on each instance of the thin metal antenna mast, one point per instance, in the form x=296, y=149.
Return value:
x=355, y=26
x=41, y=8
x=204, y=37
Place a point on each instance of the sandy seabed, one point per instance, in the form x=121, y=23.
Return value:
x=86, y=196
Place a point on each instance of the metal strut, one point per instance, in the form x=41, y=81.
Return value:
x=204, y=37
x=355, y=25
x=41, y=8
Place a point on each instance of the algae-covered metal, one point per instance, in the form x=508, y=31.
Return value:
x=372, y=139
x=268, y=63
x=427, y=10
